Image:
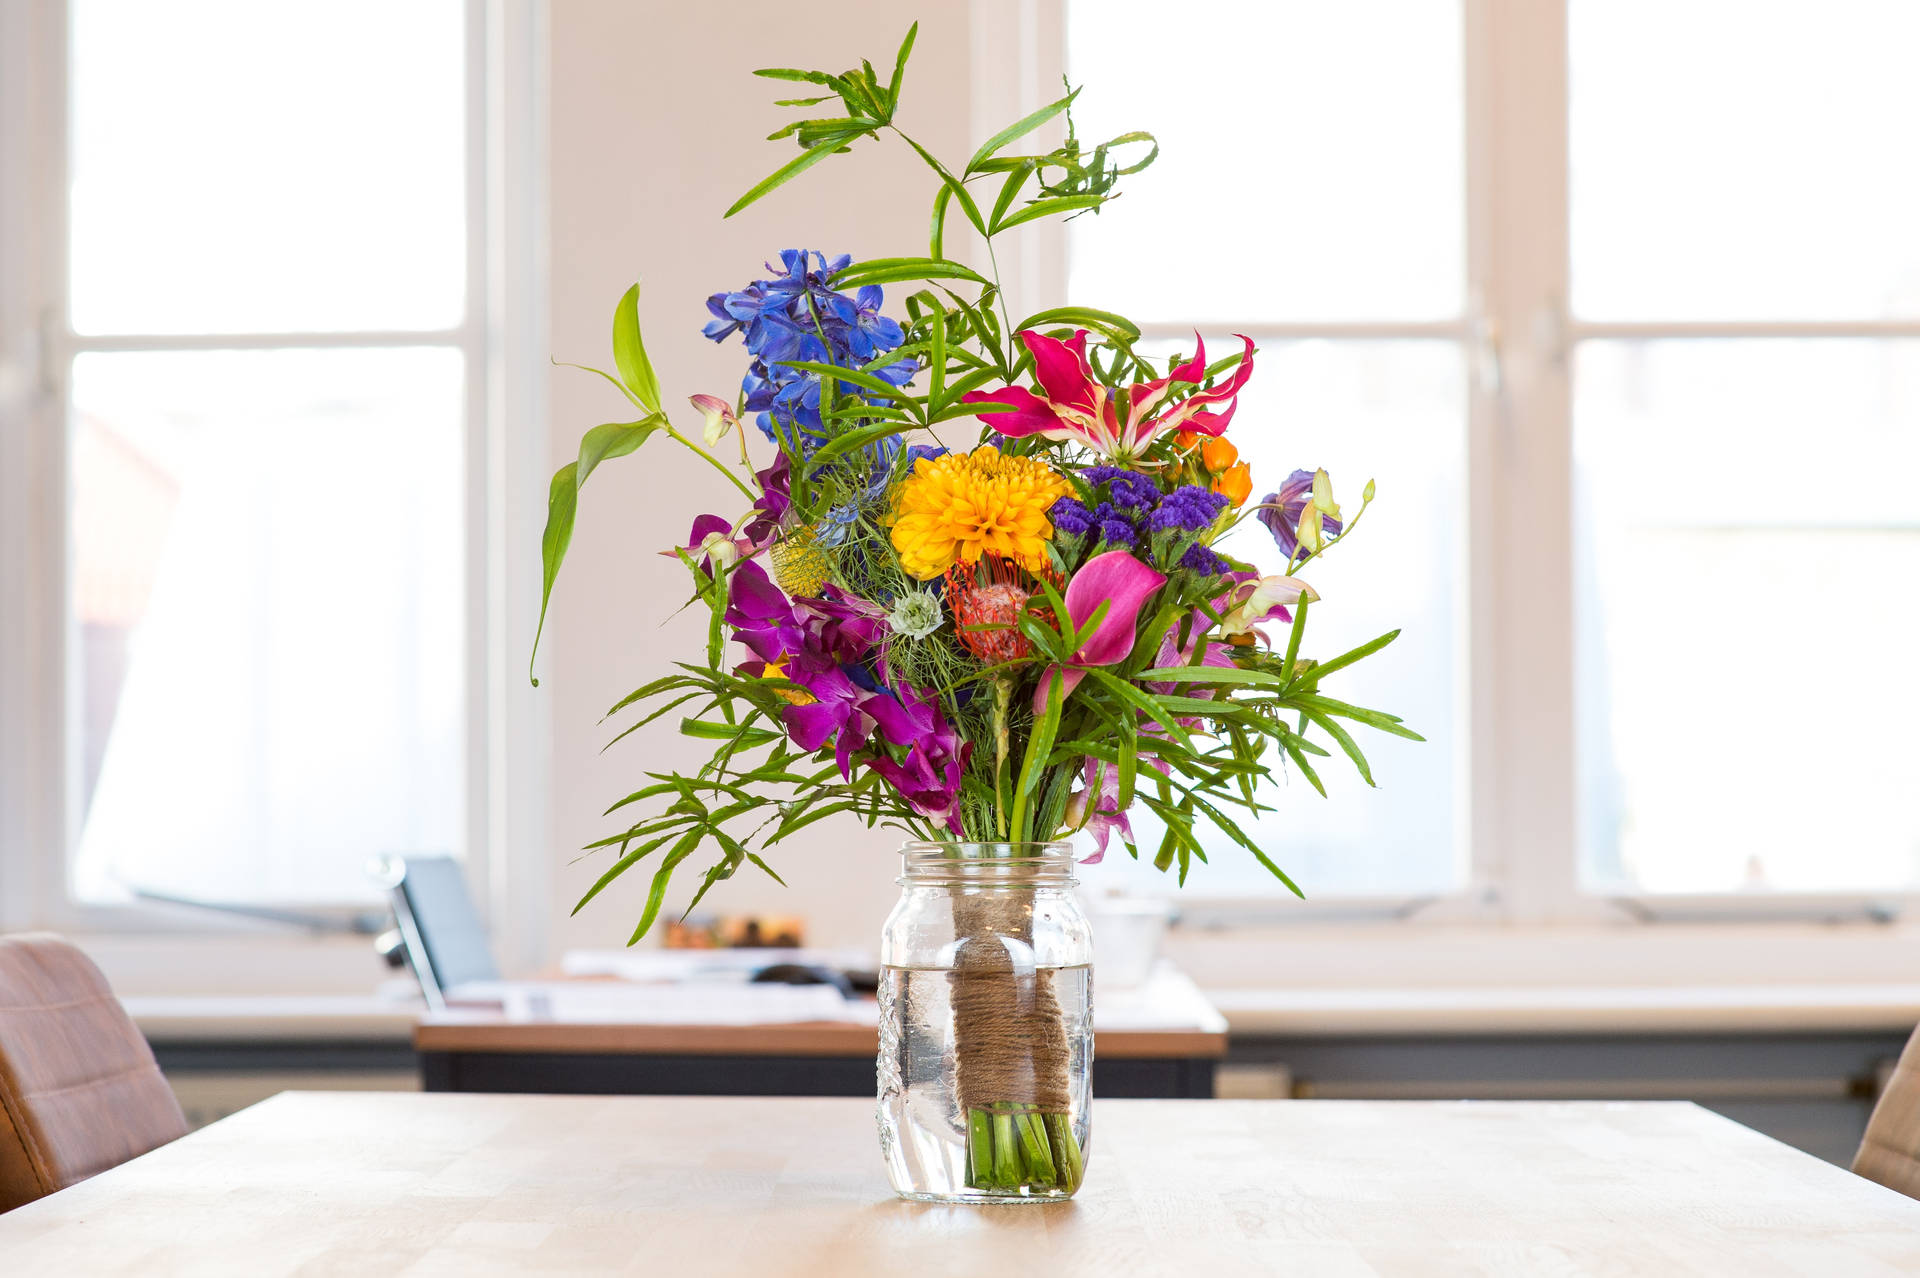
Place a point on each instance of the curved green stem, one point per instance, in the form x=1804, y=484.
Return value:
x=716, y=463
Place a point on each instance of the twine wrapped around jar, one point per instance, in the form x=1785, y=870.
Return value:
x=1010, y=1040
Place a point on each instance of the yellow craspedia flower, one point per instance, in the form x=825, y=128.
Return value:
x=800, y=566
x=956, y=508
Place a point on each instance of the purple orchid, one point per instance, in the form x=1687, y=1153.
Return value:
x=1281, y=511
x=929, y=778
x=761, y=616
x=776, y=498
x=712, y=543
x=835, y=714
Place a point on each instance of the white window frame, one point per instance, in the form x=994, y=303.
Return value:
x=502, y=331
x=1518, y=801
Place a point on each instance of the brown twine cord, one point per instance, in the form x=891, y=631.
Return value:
x=1010, y=1041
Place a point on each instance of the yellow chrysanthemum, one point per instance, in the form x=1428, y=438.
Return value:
x=956, y=508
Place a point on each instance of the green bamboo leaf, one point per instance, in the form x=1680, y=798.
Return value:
x=865, y=381
x=791, y=169
x=887, y=270
x=1049, y=207
x=1312, y=676
x=936, y=240
x=1345, y=741
x=1208, y=674
x=618, y=868
x=788, y=73
x=1016, y=178
x=725, y=732
x=1300, y=762
x=1019, y=129
x=630, y=353
x=900, y=69
x=657, y=893
x=955, y=185
x=1084, y=317
x=858, y=439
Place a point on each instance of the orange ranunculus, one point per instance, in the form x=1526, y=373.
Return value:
x=1236, y=484
x=1219, y=455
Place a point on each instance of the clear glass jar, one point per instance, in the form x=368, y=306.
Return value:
x=986, y=1025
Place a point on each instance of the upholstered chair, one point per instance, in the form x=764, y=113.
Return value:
x=79, y=1089
x=1890, y=1153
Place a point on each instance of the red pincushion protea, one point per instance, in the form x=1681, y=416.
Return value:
x=996, y=602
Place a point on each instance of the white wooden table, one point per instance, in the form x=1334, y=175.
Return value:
x=376, y=1183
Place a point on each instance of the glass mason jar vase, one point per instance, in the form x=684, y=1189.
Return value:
x=986, y=1025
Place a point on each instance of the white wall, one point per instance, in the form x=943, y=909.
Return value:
x=656, y=128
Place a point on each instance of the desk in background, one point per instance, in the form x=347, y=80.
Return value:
x=1161, y=1040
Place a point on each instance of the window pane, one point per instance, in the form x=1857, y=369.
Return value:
x=1392, y=412
x=1310, y=165
x=1747, y=546
x=1745, y=161
x=248, y=167
x=268, y=594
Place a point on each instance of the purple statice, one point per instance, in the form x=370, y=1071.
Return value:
x=798, y=316
x=1202, y=560
x=1189, y=508
x=1115, y=529
x=1184, y=517
x=1281, y=511
x=1070, y=518
x=1133, y=492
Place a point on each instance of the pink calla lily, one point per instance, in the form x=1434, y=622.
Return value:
x=1076, y=406
x=1124, y=584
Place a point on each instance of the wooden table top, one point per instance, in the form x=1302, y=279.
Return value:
x=387, y=1183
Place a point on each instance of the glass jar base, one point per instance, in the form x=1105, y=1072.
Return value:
x=988, y=1197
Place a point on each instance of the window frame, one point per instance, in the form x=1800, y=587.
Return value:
x=1518, y=827
x=503, y=325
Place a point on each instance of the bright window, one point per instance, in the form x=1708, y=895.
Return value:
x=267, y=362
x=1310, y=194
x=1619, y=303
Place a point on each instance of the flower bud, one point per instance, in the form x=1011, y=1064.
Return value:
x=1218, y=455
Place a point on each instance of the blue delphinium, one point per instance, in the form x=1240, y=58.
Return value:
x=797, y=316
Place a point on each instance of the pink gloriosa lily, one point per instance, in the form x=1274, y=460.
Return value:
x=1124, y=584
x=1076, y=406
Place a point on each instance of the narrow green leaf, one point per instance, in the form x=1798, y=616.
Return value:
x=791, y=169
x=1208, y=674
x=563, y=499
x=1009, y=190
x=657, y=893
x=1019, y=129
x=1047, y=208
x=887, y=270
x=630, y=353
x=900, y=69
x=1084, y=317
x=955, y=185
x=1312, y=676
x=865, y=381
x=936, y=241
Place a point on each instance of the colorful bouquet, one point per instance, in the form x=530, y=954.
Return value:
x=980, y=584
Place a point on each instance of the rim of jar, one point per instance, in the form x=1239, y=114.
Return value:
x=1024, y=865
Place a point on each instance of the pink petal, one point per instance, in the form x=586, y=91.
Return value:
x=1123, y=583
x=1030, y=414
x=1061, y=368
x=1070, y=677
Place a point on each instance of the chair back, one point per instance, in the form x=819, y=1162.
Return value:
x=1890, y=1151
x=79, y=1089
